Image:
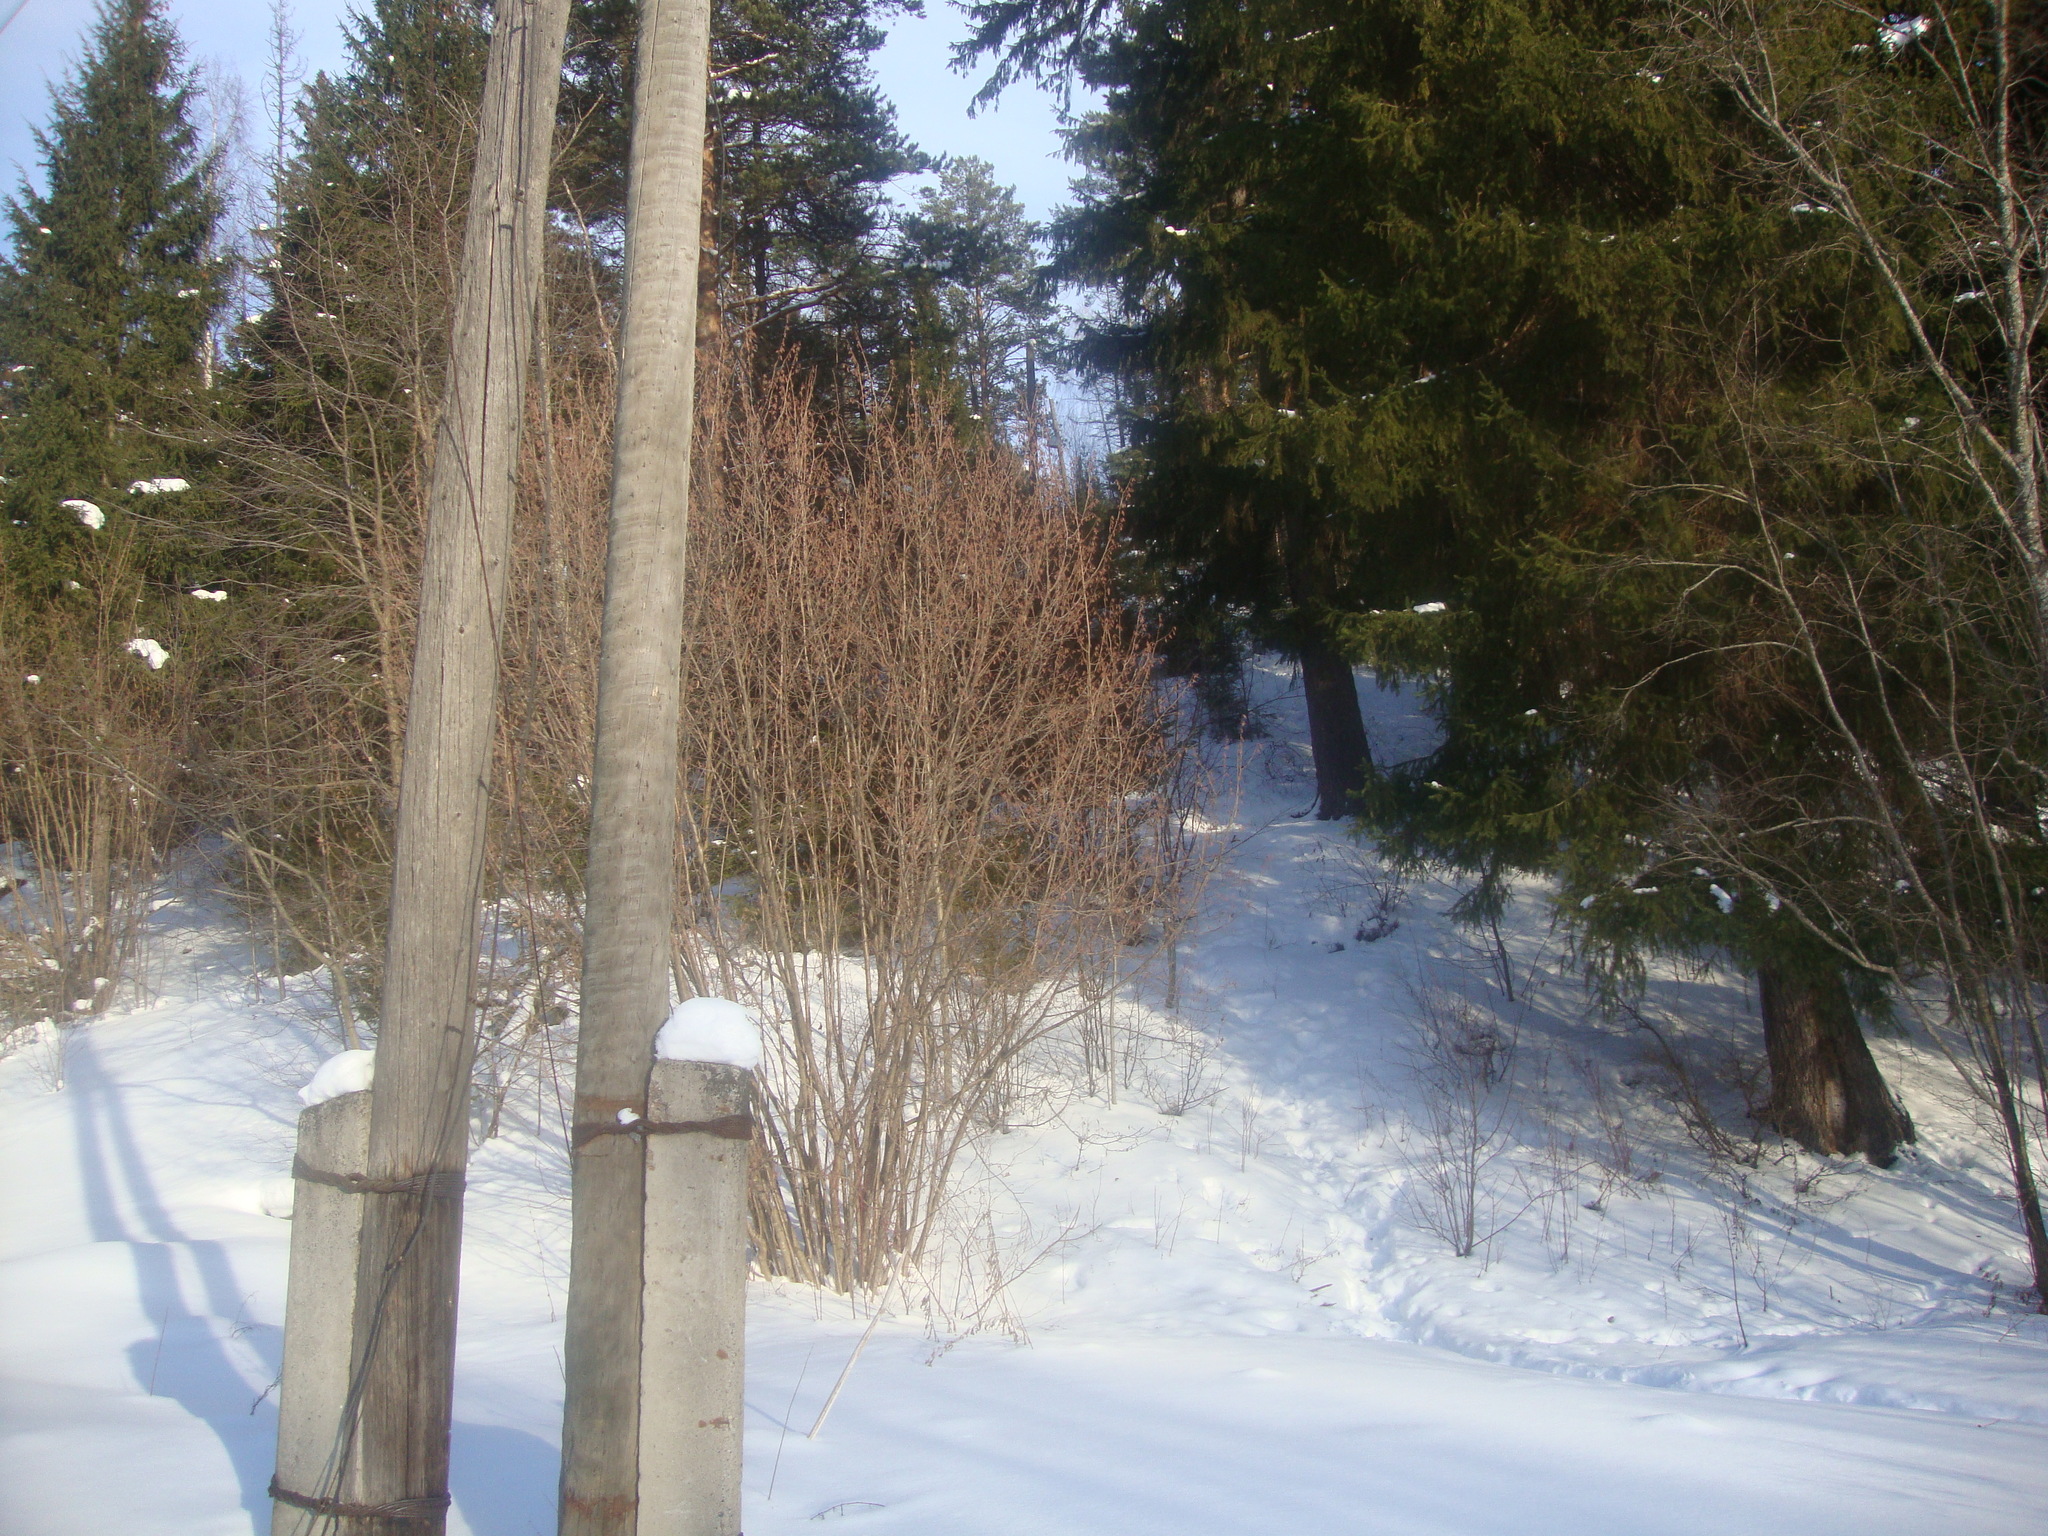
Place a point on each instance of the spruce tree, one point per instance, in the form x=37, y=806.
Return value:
x=1414, y=302
x=344, y=363
x=107, y=294
x=1384, y=279
x=338, y=394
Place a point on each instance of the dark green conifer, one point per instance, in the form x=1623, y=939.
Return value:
x=1386, y=280
x=1419, y=306
x=982, y=308
x=803, y=144
x=106, y=296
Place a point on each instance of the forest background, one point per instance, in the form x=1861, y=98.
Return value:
x=1652, y=384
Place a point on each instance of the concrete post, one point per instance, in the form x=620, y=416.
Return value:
x=693, y=1318
x=630, y=876
x=320, y=1300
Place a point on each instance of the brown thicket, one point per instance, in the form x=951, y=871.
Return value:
x=95, y=755
x=930, y=796
x=927, y=804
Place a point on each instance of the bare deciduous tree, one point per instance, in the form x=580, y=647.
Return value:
x=1913, y=646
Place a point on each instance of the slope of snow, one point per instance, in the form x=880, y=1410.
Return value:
x=1204, y=1299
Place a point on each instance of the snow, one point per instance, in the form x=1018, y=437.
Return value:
x=1220, y=1310
x=158, y=486
x=1429, y=608
x=210, y=594
x=1897, y=32
x=344, y=1072
x=153, y=655
x=88, y=514
x=710, y=1029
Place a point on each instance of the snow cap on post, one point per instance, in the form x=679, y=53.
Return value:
x=710, y=1029
x=347, y=1072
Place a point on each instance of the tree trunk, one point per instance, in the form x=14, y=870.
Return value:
x=1336, y=728
x=1826, y=1091
x=630, y=880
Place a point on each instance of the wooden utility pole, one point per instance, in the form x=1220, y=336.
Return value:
x=387, y=1472
x=630, y=882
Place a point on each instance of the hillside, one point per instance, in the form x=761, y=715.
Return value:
x=1211, y=1296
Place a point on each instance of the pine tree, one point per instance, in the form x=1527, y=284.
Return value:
x=802, y=145
x=107, y=295
x=983, y=309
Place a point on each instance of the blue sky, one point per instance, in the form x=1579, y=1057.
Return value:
x=1017, y=136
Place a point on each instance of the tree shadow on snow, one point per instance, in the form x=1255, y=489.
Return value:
x=186, y=1287
x=504, y=1480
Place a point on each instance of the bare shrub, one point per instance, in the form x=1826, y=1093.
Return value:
x=1461, y=1062
x=1177, y=1072
x=1613, y=1137
x=93, y=756
x=308, y=755
x=1353, y=882
x=925, y=762
x=1679, y=1082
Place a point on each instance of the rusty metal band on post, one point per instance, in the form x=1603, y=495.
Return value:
x=728, y=1127
x=427, y=1508
x=446, y=1184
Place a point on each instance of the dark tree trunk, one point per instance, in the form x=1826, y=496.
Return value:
x=2026, y=1190
x=1826, y=1091
x=1336, y=728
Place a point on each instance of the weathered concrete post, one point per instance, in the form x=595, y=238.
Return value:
x=320, y=1299
x=630, y=876
x=693, y=1309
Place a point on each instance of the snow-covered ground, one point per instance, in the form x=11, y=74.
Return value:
x=1222, y=1301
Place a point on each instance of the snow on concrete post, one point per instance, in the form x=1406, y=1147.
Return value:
x=694, y=1302
x=320, y=1298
